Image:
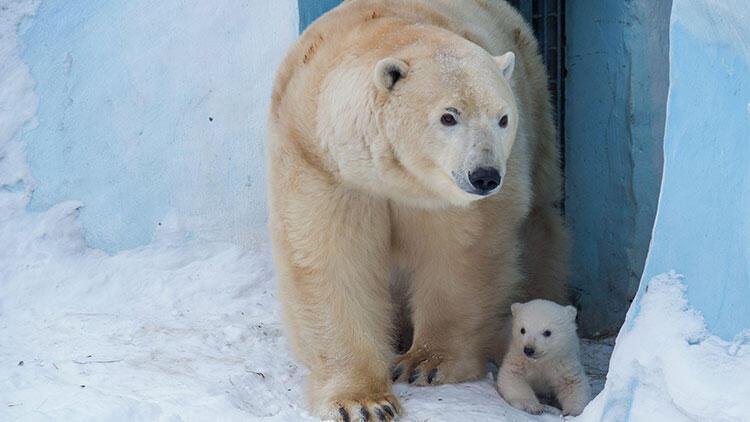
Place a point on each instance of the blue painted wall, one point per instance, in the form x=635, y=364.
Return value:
x=702, y=230
x=616, y=91
x=309, y=10
x=152, y=114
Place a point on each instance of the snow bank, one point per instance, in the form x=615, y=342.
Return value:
x=672, y=367
x=163, y=332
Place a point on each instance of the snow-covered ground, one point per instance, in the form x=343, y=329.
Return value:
x=171, y=331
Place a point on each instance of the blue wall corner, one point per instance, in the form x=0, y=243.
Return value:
x=309, y=10
x=616, y=91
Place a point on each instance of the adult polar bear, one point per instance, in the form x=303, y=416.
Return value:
x=412, y=167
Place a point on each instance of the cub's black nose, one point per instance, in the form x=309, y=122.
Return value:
x=484, y=179
x=528, y=351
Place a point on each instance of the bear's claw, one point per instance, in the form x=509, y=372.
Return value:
x=384, y=409
x=396, y=373
x=534, y=407
x=414, y=375
x=422, y=367
x=431, y=375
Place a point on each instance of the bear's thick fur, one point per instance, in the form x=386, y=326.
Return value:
x=413, y=176
x=543, y=359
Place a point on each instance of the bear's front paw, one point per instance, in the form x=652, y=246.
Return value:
x=534, y=407
x=423, y=366
x=381, y=409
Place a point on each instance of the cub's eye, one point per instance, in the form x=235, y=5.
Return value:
x=547, y=333
x=504, y=121
x=523, y=331
x=448, y=119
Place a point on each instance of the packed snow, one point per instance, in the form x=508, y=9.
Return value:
x=672, y=366
x=170, y=331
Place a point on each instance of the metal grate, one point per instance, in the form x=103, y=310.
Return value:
x=547, y=17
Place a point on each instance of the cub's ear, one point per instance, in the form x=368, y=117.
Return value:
x=514, y=308
x=507, y=63
x=572, y=312
x=389, y=71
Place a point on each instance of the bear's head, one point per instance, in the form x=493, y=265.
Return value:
x=450, y=116
x=543, y=329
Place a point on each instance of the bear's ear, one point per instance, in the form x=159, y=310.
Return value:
x=389, y=71
x=572, y=312
x=507, y=63
x=514, y=308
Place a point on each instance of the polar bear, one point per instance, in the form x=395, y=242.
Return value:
x=543, y=359
x=412, y=177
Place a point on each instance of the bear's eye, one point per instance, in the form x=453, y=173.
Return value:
x=547, y=333
x=448, y=119
x=523, y=331
x=504, y=121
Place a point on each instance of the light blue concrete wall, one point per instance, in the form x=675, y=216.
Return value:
x=616, y=91
x=152, y=114
x=702, y=229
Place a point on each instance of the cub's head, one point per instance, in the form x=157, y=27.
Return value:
x=449, y=116
x=542, y=328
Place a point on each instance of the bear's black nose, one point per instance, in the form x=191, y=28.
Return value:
x=484, y=179
x=528, y=351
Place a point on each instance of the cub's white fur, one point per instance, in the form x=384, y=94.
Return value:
x=543, y=359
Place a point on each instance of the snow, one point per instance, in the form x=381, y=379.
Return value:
x=672, y=366
x=169, y=331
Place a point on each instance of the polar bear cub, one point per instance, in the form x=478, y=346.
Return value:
x=543, y=359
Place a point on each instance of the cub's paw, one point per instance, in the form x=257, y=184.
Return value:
x=573, y=410
x=422, y=366
x=534, y=407
x=373, y=409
